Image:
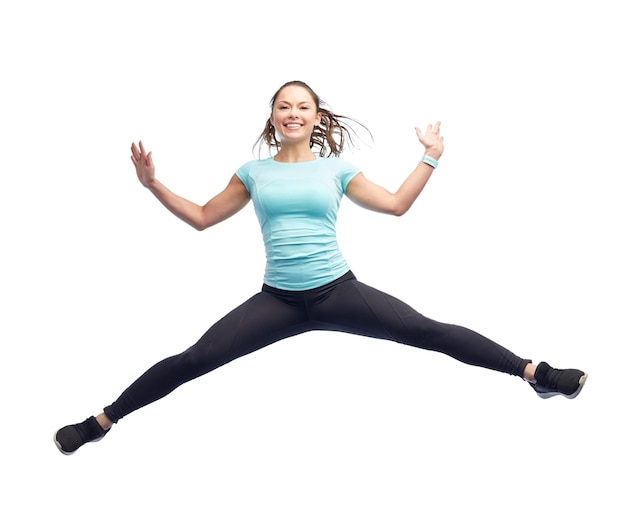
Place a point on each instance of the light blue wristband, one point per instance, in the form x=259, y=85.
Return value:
x=430, y=161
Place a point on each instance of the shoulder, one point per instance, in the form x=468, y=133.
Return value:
x=246, y=169
x=336, y=163
x=342, y=170
x=253, y=163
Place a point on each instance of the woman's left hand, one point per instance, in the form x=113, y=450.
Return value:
x=431, y=140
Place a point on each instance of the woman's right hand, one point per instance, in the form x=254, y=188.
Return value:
x=143, y=164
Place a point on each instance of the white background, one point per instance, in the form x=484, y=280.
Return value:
x=519, y=235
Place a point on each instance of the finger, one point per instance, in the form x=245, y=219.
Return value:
x=143, y=151
x=136, y=154
x=436, y=127
x=150, y=159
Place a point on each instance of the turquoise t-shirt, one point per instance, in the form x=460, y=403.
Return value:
x=296, y=205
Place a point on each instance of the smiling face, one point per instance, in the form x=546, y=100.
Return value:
x=294, y=114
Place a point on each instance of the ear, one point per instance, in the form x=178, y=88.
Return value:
x=318, y=118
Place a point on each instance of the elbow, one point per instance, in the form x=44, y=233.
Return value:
x=399, y=210
x=199, y=225
x=399, y=205
x=203, y=222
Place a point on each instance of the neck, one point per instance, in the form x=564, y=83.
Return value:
x=294, y=154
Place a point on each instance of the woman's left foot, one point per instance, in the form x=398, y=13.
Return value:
x=558, y=382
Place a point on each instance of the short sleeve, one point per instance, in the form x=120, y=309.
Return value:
x=348, y=172
x=243, y=173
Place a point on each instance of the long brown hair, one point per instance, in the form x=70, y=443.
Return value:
x=329, y=137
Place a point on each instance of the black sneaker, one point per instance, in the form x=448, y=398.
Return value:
x=71, y=437
x=557, y=382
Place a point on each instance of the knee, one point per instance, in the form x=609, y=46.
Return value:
x=432, y=334
x=196, y=361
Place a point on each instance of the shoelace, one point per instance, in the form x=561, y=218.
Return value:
x=551, y=379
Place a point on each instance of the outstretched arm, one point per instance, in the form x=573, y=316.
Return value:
x=227, y=203
x=372, y=196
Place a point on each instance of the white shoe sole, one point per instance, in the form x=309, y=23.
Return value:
x=581, y=383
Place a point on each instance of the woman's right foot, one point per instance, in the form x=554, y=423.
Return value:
x=71, y=437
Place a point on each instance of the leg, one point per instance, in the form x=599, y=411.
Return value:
x=357, y=308
x=261, y=320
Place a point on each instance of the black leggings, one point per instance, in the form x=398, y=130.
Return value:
x=343, y=305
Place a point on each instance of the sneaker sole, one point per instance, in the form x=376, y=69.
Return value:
x=581, y=383
x=58, y=444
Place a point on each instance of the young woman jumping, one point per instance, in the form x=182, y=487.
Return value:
x=307, y=283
